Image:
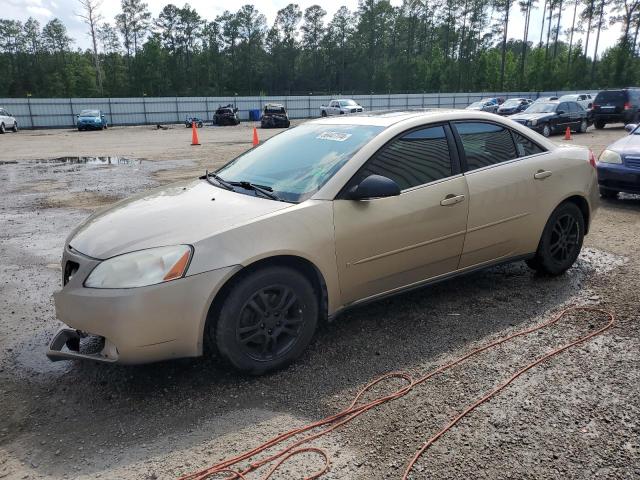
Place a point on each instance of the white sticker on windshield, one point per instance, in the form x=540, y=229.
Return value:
x=333, y=136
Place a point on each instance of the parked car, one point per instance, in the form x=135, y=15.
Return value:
x=514, y=105
x=340, y=107
x=584, y=99
x=274, y=115
x=616, y=106
x=484, y=106
x=91, y=120
x=188, y=121
x=7, y=121
x=619, y=165
x=227, y=115
x=554, y=117
x=323, y=217
x=545, y=99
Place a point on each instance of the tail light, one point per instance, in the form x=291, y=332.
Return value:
x=595, y=105
x=592, y=158
x=627, y=106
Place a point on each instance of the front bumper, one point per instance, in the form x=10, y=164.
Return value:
x=619, y=178
x=138, y=325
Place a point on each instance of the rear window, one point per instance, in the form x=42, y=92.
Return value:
x=611, y=96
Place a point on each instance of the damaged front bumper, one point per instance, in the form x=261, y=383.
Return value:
x=67, y=344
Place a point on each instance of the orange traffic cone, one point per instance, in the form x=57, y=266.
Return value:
x=256, y=140
x=567, y=134
x=194, y=134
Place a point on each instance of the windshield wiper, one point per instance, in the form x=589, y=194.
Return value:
x=266, y=191
x=221, y=182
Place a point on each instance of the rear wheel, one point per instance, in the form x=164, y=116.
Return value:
x=2, y=129
x=599, y=124
x=267, y=320
x=607, y=193
x=561, y=241
x=583, y=126
x=324, y=113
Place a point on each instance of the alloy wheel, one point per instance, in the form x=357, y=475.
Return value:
x=564, y=238
x=270, y=323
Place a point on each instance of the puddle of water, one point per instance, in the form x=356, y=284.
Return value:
x=111, y=160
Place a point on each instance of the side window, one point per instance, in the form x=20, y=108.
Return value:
x=416, y=158
x=564, y=106
x=485, y=144
x=524, y=146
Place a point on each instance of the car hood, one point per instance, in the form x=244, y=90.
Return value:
x=629, y=145
x=531, y=116
x=93, y=119
x=181, y=213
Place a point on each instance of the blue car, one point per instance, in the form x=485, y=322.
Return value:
x=619, y=165
x=91, y=120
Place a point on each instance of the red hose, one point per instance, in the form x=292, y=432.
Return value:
x=354, y=410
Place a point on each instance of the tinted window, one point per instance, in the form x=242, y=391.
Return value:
x=572, y=107
x=613, y=96
x=525, y=147
x=419, y=157
x=564, y=106
x=485, y=144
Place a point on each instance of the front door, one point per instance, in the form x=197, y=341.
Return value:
x=389, y=243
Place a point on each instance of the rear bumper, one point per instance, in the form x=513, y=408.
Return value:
x=625, y=117
x=619, y=178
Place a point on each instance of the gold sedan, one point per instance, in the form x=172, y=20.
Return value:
x=320, y=218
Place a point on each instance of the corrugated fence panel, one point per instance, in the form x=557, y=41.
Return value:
x=61, y=112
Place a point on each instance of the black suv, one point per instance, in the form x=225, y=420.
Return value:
x=227, y=115
x=616, y=106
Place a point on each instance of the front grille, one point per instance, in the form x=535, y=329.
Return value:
x=353, y=110
x=632, y=162
x=70, y=270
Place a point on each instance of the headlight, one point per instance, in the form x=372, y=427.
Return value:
x=141, y=268
x=533, y=122
x=608, y=156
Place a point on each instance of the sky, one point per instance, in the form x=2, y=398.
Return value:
x=45, y=10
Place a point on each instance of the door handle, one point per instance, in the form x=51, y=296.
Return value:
x=451, y=199
x=542, y=174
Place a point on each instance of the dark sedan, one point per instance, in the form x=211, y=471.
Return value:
x=554, y=117
x=514, y=105
x=619, y=165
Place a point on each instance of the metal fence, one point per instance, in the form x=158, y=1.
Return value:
x=61, y=112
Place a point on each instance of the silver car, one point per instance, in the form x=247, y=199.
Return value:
x=7, y=121
x=341, y=107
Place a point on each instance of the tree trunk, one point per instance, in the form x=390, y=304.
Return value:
x=504, y=44
x=524, y=42
x=544, y=11
x=555, y=45
x=595, y=51
x=586, y=43
x=573, y=27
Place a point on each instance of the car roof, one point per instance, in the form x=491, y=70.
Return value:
x=387, y=118
x=272, y=105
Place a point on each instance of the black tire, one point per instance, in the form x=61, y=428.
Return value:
x=2, y=129
x=287, y=125
x=608, y=193
x=561, y=241
x=546, y=130
x=15, y=127
x=80, y=129
x=584, y=125
x=599, y=124
x=267, y=320
x=199, y=125
x=323, y=114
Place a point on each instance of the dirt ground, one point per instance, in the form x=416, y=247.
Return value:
x=575, y=417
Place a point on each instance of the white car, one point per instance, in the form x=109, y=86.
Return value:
x=7, y=122
x=584, y=99
x=340, y=107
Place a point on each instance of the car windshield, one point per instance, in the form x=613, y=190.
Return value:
x=569, y=98
x=511, y=103
x=476, y=105
x=274, y=109
x=296, y=163
x=90, y=113
x=542, y=108
x=347, y=103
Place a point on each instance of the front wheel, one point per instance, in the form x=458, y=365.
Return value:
x=2, y=129
x=324, y=114
x=561, y=241
x=267, y=320
x=15, y=127
x=546, y=130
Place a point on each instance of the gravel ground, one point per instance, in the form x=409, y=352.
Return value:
x=576, y=416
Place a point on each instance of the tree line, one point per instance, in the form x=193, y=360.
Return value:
x=420, y=46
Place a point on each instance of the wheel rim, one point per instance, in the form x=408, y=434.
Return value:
x=583, y=126
x=564, y=238
x=270, y=322
x=546, y=132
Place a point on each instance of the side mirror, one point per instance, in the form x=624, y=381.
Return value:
x=630, y=127
x=560, y=112
x=374, y=186
x=77, y=115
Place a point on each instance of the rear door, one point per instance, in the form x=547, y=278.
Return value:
x=388, y=243
x=502, y=193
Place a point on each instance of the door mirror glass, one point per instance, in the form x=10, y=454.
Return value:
x=630, y=127
x=560, y=112
x=374, y=186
